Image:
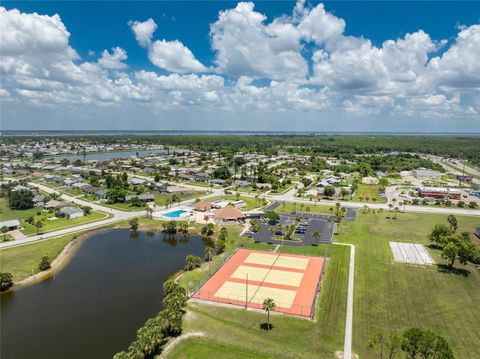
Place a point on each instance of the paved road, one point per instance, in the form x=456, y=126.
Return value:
x=347, y=345
x=450, y=169
x=289, y=197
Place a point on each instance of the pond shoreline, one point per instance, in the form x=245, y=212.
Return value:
x=58, y=263
x=68, y=252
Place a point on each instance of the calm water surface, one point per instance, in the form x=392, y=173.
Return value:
x=93, y=307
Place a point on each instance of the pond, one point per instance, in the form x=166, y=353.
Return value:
x=94, y=306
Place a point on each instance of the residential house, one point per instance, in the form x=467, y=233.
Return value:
x=70, y=212
x=38, y=201
x=147, y=197
x=53, y=204
x=241, y=184
x=11, y=225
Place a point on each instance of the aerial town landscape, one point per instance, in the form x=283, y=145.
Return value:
x=300, y=189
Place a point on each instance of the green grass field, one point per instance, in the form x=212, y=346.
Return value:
x=288, y=207
x=393, y=297
x=250, y=202
x=368, y=191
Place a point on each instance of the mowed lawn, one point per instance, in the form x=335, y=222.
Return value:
x=368, y=191
x=288, y=207
x=393, y=297
x=250, y=202
x=236, y=333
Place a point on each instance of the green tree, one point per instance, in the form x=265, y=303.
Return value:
x=44, y=264
x=133, y=224
x=273, y=217
x=192, y=262
x=329, y=191
x=6, y=280
x=269, y=305
x=452, y=221
x=20, y=200
x=438, y=234
x=87, y=210
x=39, y=225
x=4, y=232
x=426, y=344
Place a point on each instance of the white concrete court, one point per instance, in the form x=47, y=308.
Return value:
x=413, y=253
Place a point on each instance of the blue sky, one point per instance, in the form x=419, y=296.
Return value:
x=327, y=68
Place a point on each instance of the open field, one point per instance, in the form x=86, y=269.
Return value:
x=368, y=191
x=238, y=331
x=289, y=207
x=393, y=297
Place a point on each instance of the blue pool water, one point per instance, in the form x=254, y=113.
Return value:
x=175, y=214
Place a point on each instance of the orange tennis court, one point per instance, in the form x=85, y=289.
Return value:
x=249, y=277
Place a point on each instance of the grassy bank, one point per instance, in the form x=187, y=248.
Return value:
x=23, y=261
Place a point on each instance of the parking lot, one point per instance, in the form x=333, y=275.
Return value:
x=311, y=223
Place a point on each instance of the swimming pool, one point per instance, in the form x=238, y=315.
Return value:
x=175, y=214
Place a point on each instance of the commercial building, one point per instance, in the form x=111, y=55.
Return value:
x=438, y=193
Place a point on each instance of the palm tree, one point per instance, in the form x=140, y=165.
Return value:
x=190, y=261
x=390, y=206
x=316, y=235
x=4, y=232
x=148, y=209
x=452, y=221
x=395, y=212
x=209, y=254
x=206, y=218
x=38, y=224
x=133, y=224
x=268, y=305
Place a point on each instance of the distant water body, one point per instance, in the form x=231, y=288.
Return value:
x=223, y=133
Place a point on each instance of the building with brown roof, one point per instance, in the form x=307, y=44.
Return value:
x=202, y=206
x=228, y=214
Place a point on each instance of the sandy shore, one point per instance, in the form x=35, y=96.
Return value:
x=60, y=262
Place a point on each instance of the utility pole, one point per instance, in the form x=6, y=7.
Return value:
x=246, y=293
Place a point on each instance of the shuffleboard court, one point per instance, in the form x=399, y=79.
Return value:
x=249, y=277
x=413, y=253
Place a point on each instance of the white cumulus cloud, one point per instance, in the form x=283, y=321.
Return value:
x=143, y=31
x=113, y=60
